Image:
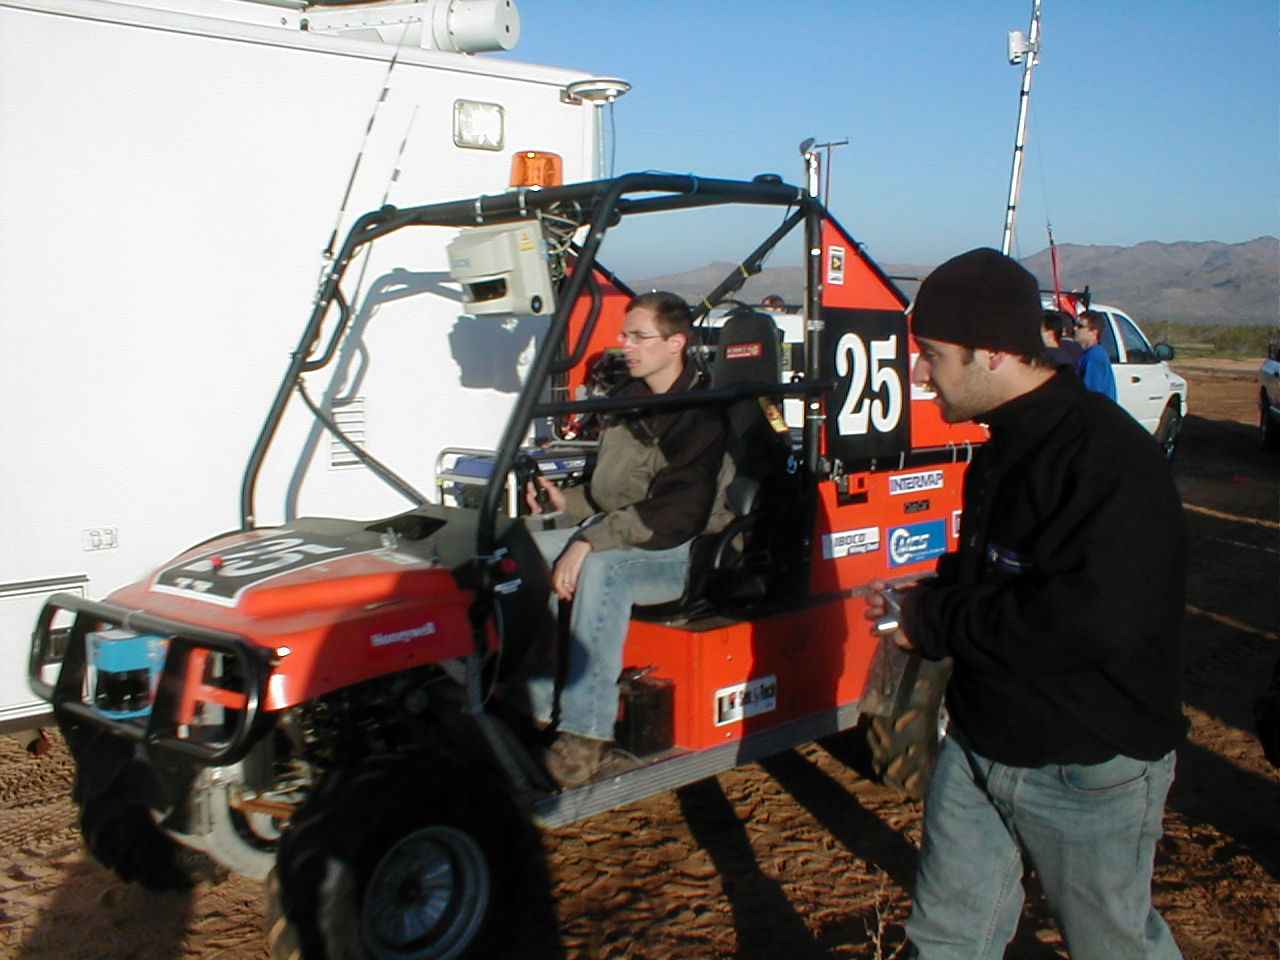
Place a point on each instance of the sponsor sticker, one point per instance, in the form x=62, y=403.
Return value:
x=955, y=524
x=847, y=543
x=742, y=351
x=744, y=700
x=427, y=629
x=835, y=266
x=915, y=506
x=903, y=483
x=916, y=542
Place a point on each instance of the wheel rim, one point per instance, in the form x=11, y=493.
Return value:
x=427, y=897
x=1171, y=435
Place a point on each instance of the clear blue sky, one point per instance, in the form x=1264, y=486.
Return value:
x=1149, y=120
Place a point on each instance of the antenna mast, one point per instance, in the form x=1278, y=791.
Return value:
x=1024, y=50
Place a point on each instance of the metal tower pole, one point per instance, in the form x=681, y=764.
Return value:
x=1029, y=58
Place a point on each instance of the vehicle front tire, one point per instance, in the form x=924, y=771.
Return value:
x=1168, y=429
x=397, y=862
x=115, y=818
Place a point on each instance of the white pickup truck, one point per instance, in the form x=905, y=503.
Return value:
x=1145, y=385
x=1269, y=397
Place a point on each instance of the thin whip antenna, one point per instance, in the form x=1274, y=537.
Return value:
x=355, y=167
x=386, y=195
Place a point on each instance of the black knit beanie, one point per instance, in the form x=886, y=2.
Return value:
x=981, y=299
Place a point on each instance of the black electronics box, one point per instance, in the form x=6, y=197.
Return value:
x=646, y=713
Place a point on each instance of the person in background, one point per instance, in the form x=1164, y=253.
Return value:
x=1095, y=366
x=1055, y=330
x=773, y=302
x=1061, y=611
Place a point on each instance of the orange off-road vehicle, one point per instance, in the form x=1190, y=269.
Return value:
x=330, y=704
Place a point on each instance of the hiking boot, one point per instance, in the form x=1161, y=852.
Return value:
x=573, y=760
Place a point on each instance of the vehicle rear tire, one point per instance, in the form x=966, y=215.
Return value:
x=1268, y=426
x=904, y=746
x=372, y=869
x=1168, y=429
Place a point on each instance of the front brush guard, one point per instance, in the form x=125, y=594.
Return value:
x=182, y=685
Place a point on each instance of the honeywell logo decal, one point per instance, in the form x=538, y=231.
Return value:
x=402, y=636
x=915, y=482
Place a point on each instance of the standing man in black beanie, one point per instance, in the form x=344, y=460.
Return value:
x=1061, y=610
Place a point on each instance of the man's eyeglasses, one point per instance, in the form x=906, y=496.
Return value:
x=636, y=337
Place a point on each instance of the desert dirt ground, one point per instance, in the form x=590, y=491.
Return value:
x=798, y=857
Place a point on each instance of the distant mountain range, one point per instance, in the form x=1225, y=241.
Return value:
x=1187, y=282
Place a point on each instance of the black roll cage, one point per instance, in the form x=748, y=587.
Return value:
x=602, y=203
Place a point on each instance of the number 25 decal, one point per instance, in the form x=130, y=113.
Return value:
x=861, y=405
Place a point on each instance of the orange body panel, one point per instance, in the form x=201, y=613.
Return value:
x=605, y=335
x=882, y=512
x=819, y=657
x=329, y=625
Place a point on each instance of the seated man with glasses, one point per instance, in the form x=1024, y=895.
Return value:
x=625, y=538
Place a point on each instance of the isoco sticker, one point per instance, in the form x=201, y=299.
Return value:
x=847, y=543
x=916, y=542
x=904, y=483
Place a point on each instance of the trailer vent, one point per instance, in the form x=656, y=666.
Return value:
x=350, y=420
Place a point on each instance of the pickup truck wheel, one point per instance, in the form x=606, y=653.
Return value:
x=904, y=746
x=1168, y=429
x=376, y=870
x=1267, y=425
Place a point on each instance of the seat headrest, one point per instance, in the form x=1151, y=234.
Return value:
x=748, y=350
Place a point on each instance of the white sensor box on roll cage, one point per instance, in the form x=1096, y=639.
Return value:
x=503, y=270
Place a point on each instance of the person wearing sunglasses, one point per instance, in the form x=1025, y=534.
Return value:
x=624, y=537
x=1094, y=365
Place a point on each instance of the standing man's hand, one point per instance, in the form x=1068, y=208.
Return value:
x=878, y=607
x=564, y=578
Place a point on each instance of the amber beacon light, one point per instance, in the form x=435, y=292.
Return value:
x=536, y=168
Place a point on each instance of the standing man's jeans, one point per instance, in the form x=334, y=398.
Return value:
x=610, y=582
x=1090, y=832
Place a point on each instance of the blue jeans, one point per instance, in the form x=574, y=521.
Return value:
x=1090, y=832
x=610, y=582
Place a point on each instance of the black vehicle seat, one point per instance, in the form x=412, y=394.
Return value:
x=758, y=445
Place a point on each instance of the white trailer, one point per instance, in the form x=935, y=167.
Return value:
x=169, y=174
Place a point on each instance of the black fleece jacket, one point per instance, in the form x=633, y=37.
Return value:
x=1063, y=605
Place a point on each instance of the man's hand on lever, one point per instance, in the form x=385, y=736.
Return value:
x=884, y=606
